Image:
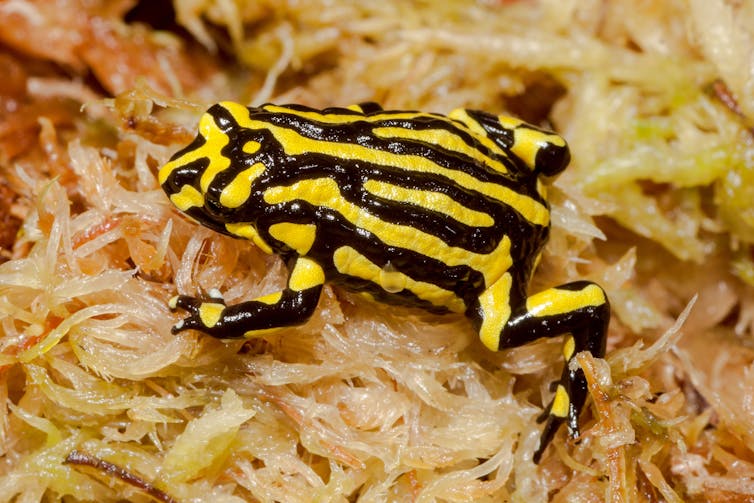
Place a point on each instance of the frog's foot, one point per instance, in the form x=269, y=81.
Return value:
x=261, y=316
x=203, y=314
x=565, y=407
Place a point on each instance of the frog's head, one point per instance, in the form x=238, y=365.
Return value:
x=543, y=152
x=210, y=180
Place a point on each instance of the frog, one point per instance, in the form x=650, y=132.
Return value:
x=444, y=213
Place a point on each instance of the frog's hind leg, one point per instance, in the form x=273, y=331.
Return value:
x=579, y=309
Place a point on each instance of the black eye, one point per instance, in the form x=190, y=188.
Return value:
x=187, y=174
x=213, y=206
x=551, y=159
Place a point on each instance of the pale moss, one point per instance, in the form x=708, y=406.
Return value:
x=206, y=440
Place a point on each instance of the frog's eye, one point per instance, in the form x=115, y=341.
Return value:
x=551, y=158
x=213, y=207
x=183, y=174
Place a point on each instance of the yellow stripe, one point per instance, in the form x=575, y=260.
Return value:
x=555, y=301
x=460, y=114
x=270, y=299
x=295, y=144
x=211, y=149
x=560, y=403
x=350, y=262
x=527, y=142
x=495, y=304
x=325, y=192
x=436, y=201
x=299, y=237
x=442, y=137
x=238, y=190
x=210, y=313
x=305, y=274
x=569, y=347
x=248, y=231
x=187, y=198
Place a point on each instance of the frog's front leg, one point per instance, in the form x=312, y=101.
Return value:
x=579, y=309
x=291, y=306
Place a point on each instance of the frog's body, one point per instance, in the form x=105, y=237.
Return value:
x=446, y=213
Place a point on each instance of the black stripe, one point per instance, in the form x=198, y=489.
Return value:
x=361, y=133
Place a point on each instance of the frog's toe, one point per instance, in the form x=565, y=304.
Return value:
x=565, y=407
x=185, y=302
x=188, y=323
x=215, y=295
x=190, y=304
x=551, y=427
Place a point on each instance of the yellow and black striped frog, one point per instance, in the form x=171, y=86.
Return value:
x=445, y=213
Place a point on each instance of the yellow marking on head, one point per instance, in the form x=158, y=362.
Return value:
x=173, y=302
x=270, y=299
x=447, y=139
x=306, y=274
x=248, y=231
x=496, y=310
x=211, y=150
x=355, y=108
x=436, y=201
x=555, y=301
x=298, y=237
x=210, y=313
x=350, y=262
x=187, y=198
x=569, y=347
x=325, y=192
x=238, y=190
x=527, y=141
x=526, y=144
x=560, y=403
x=251, y=146
x=296, y=144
